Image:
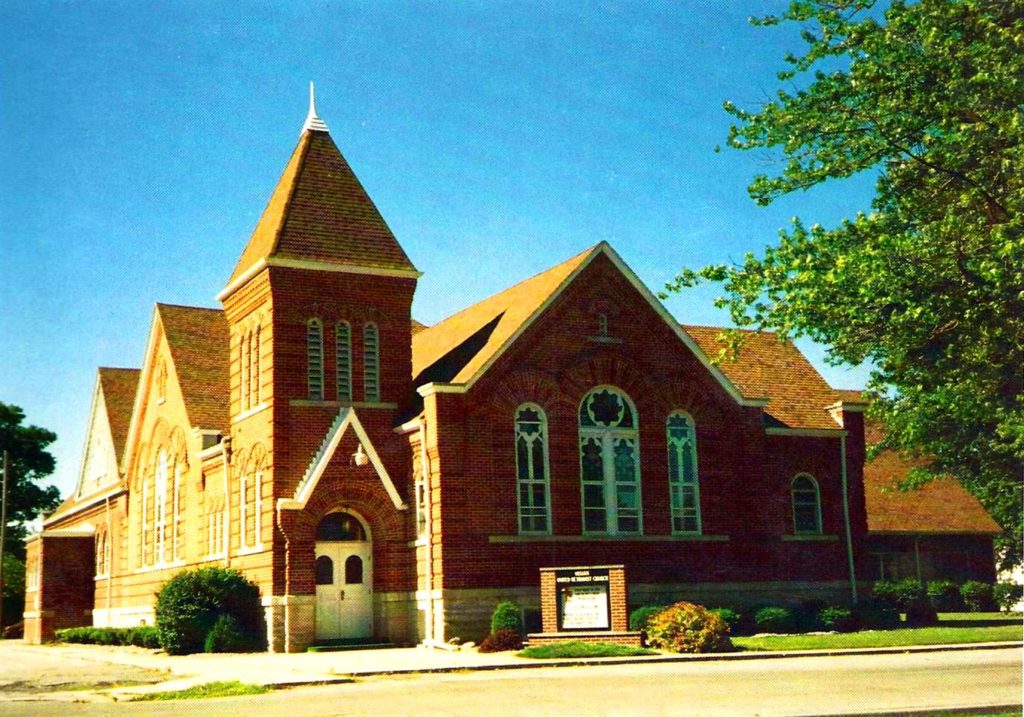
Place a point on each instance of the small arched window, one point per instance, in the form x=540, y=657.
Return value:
x=684, y=487
x=353, y=570
x=371, y=363
x=324, y=570
x=806, y=504
x=343, y=339
x=315, y=359
x=532, y=469
x=609, y=463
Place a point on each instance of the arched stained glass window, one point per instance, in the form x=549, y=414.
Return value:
x=806, y=504
x=532, y=479
x=609, y=463
x=684, y=486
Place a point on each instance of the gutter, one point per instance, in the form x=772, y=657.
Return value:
x=428, y=552
x=225, y=453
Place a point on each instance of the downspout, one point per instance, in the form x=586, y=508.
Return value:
x=225, y=452
x=108, y=561
x=428, y=552
x=287, y=583
x=846, y=518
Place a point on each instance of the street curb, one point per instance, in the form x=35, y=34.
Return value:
x=714, y=657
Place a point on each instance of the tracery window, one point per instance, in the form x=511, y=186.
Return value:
x=250, y=502
x=371, y=363
x=343, y=359
x=609, y=463
x=315, y=359
x=532, y=475
x=684, y=486
x=806, y=504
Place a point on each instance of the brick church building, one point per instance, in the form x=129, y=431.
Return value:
x=378, y=478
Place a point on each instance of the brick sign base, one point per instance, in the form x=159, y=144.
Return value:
x=586, y=603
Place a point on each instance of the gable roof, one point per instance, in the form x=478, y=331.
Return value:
x=198, y=340
x=768, y=368
x=119, y=386
x=435, y=349
x=319, y=212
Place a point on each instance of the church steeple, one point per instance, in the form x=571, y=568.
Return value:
x=320, y=217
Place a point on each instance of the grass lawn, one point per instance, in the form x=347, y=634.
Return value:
x=941, y=635
x=579, y=648
x=210, y=689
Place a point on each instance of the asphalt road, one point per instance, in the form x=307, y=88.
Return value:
x=793, y=686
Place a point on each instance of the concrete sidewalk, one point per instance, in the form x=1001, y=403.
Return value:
x=288, y=670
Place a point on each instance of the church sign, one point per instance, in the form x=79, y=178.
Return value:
x=583, y=600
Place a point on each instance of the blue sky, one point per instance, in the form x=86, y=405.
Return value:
x=139, y=143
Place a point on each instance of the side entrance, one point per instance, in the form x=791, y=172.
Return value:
x=344, y=578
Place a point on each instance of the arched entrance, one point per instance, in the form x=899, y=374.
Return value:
x=344, y=578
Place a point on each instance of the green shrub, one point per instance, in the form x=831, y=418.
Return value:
x=1006, y=595
x=228, y=635
x=774, y=619
x=685, y=627
x=501, y=641
x=838, y=619
x=898, y=595
x=639, y=618
x=945, y=596
x=507, y=616
x=921, y=612
x=142, y=636
x=977, y=596
x=805, y=616
x=731, y=618
x=190, y=604
x=875, y=614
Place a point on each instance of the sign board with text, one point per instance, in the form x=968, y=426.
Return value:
x=583, y=600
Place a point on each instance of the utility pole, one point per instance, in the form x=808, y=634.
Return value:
x=3, y=539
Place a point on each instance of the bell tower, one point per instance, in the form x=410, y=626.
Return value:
x=319, y=307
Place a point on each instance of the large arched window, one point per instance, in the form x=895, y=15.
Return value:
x=532, y=469
x=806, y=504
x=315, y=359
x=684, y=486
x=343, y=359
x=160, y=510
x=609, y=463
x=250, y=501
x=371, y=363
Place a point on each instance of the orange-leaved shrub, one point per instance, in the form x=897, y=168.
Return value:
x=685, y=627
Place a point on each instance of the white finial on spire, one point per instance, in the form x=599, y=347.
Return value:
x=313, y=122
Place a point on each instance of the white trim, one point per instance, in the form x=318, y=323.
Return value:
x=87, y=448
x=90, y=502
x=807, y=432
x=428, y=389
x=242, y=279
x=250, y=412
x=342, y=404
x=306, y=488
x=817, y=503
x=408, y=426
x=135, y=425
x=341, y=268
x=849, y=406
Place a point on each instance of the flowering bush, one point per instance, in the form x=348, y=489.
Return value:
x=501, y=641
x=685, y=627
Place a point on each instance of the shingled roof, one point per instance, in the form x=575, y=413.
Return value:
x=118, y=386
x=198, y=340
x=320, y=212
x=456, y=348
x=769, y=368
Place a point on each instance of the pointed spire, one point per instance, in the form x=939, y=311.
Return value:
x=313, y=122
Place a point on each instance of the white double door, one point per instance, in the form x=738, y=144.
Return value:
x=344, y=590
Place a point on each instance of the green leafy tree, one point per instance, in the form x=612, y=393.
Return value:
x=30, y=463
x=928, y=284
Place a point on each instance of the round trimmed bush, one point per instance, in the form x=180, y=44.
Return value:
x=945, y=596
x=977, y=596
x=639, y=618
x=838, y=619
x=190, y=604
x=507, y=616
x=502, y=641
x=685, y=627
x=774, y=619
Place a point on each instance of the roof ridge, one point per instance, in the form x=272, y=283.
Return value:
x=731, y=328
x=165, y=305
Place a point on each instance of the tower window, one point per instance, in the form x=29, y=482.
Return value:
x=343, y=336
x=371, y=363
x=315, y=359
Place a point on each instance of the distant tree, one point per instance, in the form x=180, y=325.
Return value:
x=30, y=463
x=927, y=286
